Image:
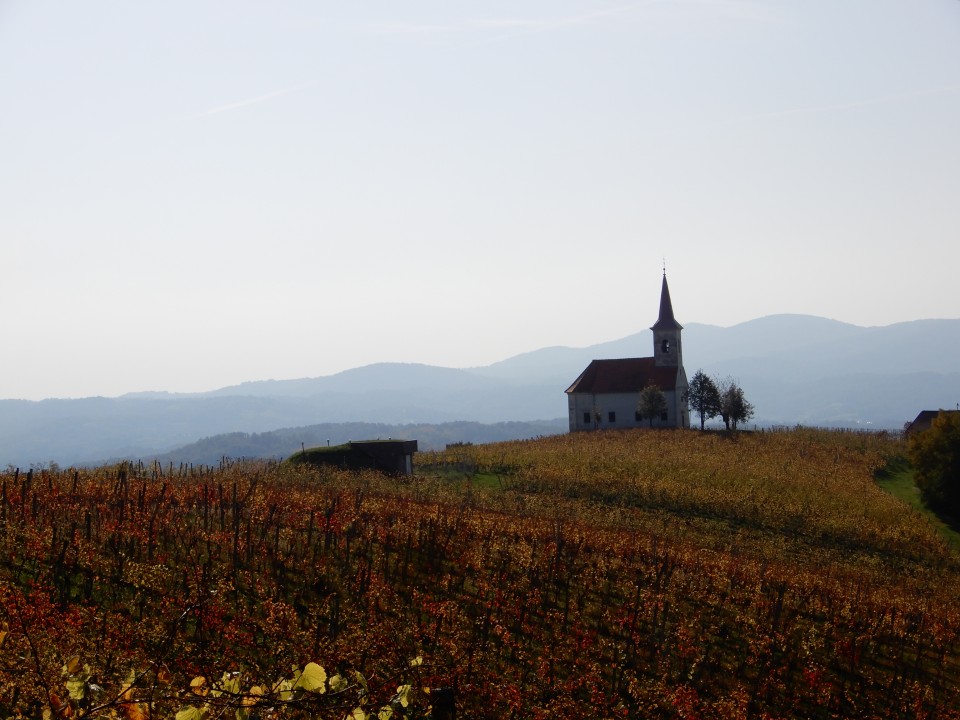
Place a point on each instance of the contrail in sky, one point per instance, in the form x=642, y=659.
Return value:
x=251, y=101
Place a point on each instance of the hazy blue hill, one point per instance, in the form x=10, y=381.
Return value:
x=919, y=346
x=775, y=335
x=851, y=400
x=85, y=430
x=793, y=368
x=924, y=346
x=777, y=345
x=703, y=345
x=548, y=364
x=796, y=368
x=379, y=377
x=88, y=430
x=286, y=441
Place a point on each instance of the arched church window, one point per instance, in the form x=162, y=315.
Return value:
x=665, y=345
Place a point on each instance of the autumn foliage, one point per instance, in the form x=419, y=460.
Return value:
x=617, y=574
x=935, y=457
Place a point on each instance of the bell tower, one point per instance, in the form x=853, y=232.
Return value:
x=667, y=350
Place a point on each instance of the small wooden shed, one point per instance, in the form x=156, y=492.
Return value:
x=389, y=456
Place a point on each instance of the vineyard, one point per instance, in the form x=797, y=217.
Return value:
x=635, y=574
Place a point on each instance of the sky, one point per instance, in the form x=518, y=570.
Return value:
x=199, y=193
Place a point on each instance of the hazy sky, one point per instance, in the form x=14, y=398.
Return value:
x=197, y=193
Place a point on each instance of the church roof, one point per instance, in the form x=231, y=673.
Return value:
x=624, y=375
x=666, y=321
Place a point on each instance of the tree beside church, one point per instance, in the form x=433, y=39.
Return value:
x=607, y=393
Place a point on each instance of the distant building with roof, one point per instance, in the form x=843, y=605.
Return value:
x=924, y=420
x=389, y=456
x=607, y=393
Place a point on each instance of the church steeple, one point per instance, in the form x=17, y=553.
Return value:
x=666, y=321
x=666, y=332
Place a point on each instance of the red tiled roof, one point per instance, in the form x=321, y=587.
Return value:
x=624, y=375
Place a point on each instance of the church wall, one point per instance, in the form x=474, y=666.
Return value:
x=624, y=407
x=682, y=408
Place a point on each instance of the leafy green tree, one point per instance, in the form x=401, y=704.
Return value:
x=734, y=407
x=652, y=403
x=704, y=397
x=935, y=456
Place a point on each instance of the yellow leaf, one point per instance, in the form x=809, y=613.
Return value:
x=189, y=713
x=198, y=686
x=252, y=696
x=312, y=679
x=362, y=680
x=72, y=667
x=283, y=689
x=338, y=683
x=76, y=688
x=230, y=683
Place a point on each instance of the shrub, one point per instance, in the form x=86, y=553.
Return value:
x=935, y=456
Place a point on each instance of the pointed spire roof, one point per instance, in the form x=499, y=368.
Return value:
x=666, y=321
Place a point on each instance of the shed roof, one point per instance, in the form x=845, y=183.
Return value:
x=924, y=420
x=624, y=375
x=926, y=416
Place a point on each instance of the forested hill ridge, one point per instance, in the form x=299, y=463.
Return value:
x=284, y=442
x=795, y=369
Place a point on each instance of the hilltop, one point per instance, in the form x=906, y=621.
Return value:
x=793, y=368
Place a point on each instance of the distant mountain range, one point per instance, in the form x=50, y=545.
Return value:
x=795, y=369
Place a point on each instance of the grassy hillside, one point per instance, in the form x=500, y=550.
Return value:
x=897, y=478
x=623, y=574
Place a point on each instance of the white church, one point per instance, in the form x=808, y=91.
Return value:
x=607, y=393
